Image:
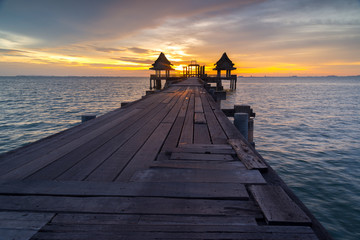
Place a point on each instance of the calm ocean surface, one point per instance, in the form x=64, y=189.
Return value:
x=306, y=128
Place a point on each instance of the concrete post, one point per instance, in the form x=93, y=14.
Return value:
x=243, y=108
x=247, y=109
x=241, y=123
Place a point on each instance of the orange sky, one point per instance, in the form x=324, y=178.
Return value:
x=123, y=38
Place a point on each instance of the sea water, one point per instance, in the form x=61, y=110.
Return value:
x=306, y=128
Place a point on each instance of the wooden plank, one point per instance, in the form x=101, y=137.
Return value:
x=277, y=206
x=214, y=105
x=198, y=175
x=172, y=139
x=110, y=169
x=170, y=118
x=219, y=165
x=198, y=221
x=24, y=167
x=82, y=231
x=130, y=189
x=230, y=130
x=198, y=105
x=86, y=235
x=246, y=155
x=56, y=141
x=208, y=147
x=216, y=132
x=128, y=205
x=24, y=220
x=184, y=106
x=187, y=132
x=200, y=157
x=31, y=151
x=181, y=228
x=46, y=156
x=91, y=218
x=16, y=234
x=169, y=99
x=201, y=134
x=99, y=148
x=147, y=154
x=25, y=216
x=112, y=166
x=199, y=118
x=86, y=165
x=204, y=150
x=22, y=225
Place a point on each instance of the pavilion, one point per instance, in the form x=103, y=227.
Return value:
x=226, y=64
x=161, y=64
x=193, y=70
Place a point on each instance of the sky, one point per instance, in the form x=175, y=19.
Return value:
x=123, y=38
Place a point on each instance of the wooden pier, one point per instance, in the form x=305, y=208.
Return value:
x=169, y=166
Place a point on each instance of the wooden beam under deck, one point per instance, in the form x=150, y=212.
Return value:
x=170, y=166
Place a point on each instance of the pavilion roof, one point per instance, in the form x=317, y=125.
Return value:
x=162, y=63
x=224, y=63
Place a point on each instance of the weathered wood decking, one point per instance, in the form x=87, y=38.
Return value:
x=170, y=166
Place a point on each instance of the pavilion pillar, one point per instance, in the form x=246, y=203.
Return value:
x=158, y=84
x=228, y=73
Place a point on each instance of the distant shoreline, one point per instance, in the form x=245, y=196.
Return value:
x=75, y=76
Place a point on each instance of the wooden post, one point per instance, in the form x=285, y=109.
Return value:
x=220, y=95
x=241, y=122
x=158, y=84
x=219, y=86
x=85, y=118
x=123, y=104
x=251, y=132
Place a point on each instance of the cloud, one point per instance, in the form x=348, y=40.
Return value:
x=13, y=53
x=138, y=50
x=108, y=49
x=71, y=21
x=135, y=60
x=2, y=50
x=268, y=32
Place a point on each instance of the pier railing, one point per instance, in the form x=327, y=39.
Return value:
x=222, y=76
x=164, y=76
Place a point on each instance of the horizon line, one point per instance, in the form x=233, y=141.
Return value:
x=240, y=76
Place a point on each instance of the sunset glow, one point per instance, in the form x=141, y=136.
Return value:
x=262, y=37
